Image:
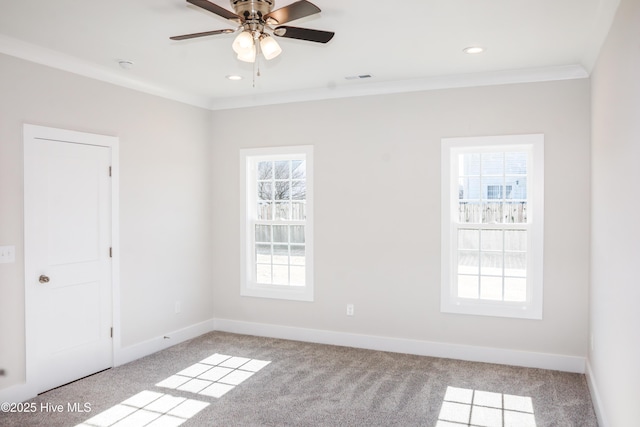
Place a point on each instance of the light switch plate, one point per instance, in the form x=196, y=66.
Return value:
x=7, y=254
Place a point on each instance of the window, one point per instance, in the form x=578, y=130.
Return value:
x=492, y=225
x=277, y=228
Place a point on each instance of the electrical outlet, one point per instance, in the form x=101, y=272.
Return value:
x=178, y=307
x=7, y=254
x=350, y=310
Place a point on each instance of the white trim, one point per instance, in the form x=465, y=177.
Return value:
x=248, y=285
x=356, y=88
x=153, y=345
x=598, y=407
x=16, y=393
x=55, y=59
x=449, y=302
x=31, y=132
x=527, y=359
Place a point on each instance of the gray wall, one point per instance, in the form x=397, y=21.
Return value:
x=615, y=233
x=165, y=198
x=377, y=216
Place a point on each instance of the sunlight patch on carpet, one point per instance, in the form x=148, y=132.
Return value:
x=475, y=408
x=214, y=376
x=147, y=408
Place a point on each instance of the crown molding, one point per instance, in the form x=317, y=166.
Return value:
x=55, y=59
x=491, y=78
x=30, y=52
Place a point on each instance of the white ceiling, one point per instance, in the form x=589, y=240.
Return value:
x=408, y=45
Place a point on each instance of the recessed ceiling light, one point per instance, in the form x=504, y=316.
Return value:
x=234, y=77
x=473, y=50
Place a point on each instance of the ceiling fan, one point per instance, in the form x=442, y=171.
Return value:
x=258, y=21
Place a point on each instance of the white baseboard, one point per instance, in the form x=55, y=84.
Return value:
x=22, y=392
x=16, y=393
x=401, y=345
x=595, y=397
x=145, y=348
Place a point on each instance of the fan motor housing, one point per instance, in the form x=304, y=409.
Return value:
x=252, y=8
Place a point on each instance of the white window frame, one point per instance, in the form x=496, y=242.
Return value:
x=450, y=302
x=249, y=285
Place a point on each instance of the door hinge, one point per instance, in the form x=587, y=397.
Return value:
x=111, y=333
x=109, y=170
x=110, y=252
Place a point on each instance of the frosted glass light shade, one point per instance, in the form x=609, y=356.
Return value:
x=270, y=48
x=248, y=55
x=243, y=43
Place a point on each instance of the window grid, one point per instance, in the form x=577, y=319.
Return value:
x=281, y=199
x=489, y=281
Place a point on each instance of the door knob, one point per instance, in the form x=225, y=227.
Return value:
x=43, y=279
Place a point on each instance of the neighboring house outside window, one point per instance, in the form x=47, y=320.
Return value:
x=492, y=225
x=277, y=226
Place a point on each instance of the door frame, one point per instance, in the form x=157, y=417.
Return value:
x=35, y=132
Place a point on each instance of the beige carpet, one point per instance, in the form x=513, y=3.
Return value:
x=222, y=379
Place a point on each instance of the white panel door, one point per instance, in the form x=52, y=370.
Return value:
x=67, y=260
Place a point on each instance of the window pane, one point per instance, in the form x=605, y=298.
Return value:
x=517, y=187
x=280, y=275
x=468, y=286
x=515, y=213
x=515, y=289
x=491, y=264
x=263, y=233
x=283, y=210
x=281, y=233
x=516, y=163
x=492, y=212
x=265, y=210
x=469, y=164
x=263, y=273
x=297, y=233
x=493, y=164
x=469, y=187
x=491, y=288
x=265, y=191
x=263, y=254
x=298, y=190
x=299, y=169
x=515, y=240
x=470, y=213
x=297, y=255
x=297, y=276
x=491, y=240
x=298, y=211
x=468, y=239
x=282, y=190
x=265, y=170
x=515, y=264
x=468, y=262
x=282, y=169
x=281, y=254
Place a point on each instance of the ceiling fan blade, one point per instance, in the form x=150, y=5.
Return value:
x=294, y=11
x=220, y=11
x=203, y=34
x=308, y=34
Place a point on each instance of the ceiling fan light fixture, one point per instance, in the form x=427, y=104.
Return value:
x=243, y=43
x=248, y=55
x=269, y=47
